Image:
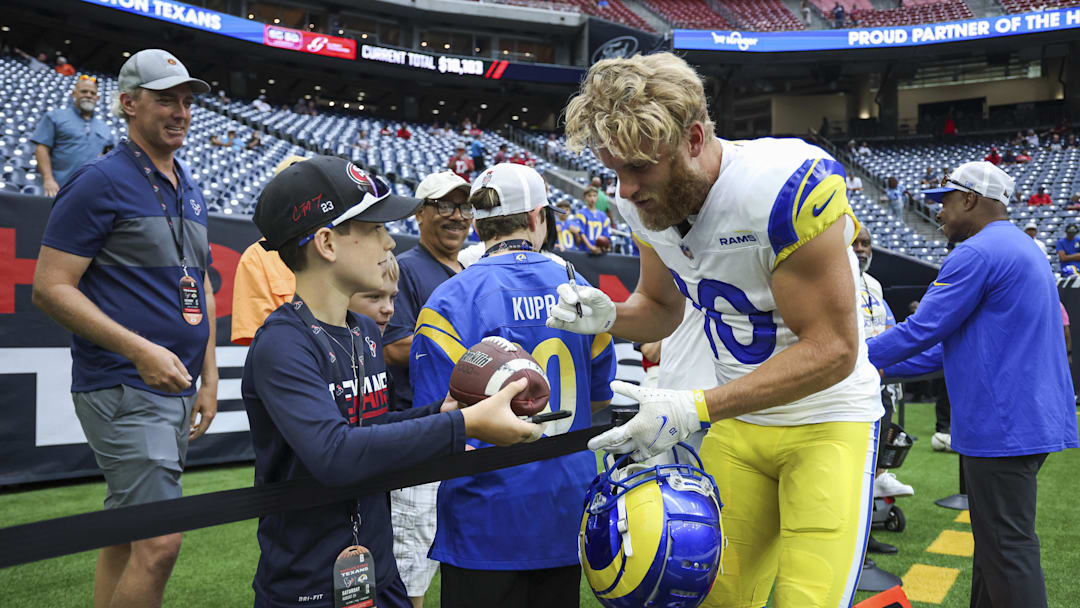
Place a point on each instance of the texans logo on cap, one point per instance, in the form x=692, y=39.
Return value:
x=357, y=175
x=171, y=61
x=487, y=178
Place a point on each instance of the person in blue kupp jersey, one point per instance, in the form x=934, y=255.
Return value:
x=567, y=228
x=508, y=537
x=996, y=312
x=1068, y=250
x=594, y=223
x=315, y=386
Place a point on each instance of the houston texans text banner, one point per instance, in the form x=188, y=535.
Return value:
x=878, y=38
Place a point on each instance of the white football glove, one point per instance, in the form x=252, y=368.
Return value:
x=597, y=310
x=665, y=418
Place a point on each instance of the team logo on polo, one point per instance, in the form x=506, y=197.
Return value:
x=370, y=345
x=315, y=329
x=333, y=357
x=196, y=207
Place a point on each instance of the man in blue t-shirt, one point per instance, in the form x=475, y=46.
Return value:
x=1068, y=251
x=996, y=312
x=509, y=537
x=68, y=138
x=123, y=265
x=593, y=224
x=444, y=218
x=316, y=389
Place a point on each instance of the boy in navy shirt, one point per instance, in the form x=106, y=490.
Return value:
x=316, y=391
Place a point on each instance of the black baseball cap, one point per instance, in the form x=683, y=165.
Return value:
x=325, y=191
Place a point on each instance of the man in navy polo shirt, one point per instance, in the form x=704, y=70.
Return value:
x=123, y=266
x=444, y=218
x=996, y=313
x=68, y=138
x=1068, y=251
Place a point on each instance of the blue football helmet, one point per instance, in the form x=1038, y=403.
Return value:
x=651, y=535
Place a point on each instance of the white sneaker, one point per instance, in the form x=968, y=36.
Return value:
x=887, y=484
x=941, y=442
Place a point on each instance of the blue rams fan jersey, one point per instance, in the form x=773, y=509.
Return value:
x=771, y=197
x=523, y=517
x=566, y=229
x=593, y=224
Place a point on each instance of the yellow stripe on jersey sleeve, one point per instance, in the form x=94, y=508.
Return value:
x=599, y=343
x=439, y=330
x=810, y=201
x=640, y=241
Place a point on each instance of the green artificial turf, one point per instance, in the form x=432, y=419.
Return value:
x=216, y=564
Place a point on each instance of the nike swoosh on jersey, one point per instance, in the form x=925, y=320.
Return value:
x=817, y=210
x=936, y=284
x=418, y=355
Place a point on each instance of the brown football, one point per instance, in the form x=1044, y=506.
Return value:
x=492, y=364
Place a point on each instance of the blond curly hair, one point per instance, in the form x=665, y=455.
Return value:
x=632, y=107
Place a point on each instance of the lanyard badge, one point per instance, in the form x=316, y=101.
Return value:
x=190, y=302
x=354, y=578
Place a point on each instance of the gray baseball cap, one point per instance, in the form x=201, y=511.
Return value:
x=157, y=70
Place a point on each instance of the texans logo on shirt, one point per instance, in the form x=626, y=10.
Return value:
x=196, y=207
x=376, y=397
x=370, y=345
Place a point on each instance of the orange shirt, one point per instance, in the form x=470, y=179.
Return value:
x=66, y=69
x=262, y=283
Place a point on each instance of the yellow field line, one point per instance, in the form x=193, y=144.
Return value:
x=953, y=542
x=930, y=584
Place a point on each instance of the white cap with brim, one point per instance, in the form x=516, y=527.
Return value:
x=1031, y=226
x=520, y=189
x=157, y=70
x=981, y=177
x=438, y=185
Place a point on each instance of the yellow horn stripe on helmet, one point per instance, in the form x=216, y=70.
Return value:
x=643, y=504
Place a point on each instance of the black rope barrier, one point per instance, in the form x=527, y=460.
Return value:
x=64, y=535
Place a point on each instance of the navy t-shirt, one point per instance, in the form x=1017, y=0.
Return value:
x=107, y=211
x=302, y=409
x=420, y=275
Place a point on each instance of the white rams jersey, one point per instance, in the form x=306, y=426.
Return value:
x=771, y=197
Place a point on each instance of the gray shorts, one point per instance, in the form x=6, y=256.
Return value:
x=139, y=439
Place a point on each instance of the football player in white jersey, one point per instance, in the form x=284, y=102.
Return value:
x=756, y=234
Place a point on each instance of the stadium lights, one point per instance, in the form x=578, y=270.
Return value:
x=364, y=36
x=331, y=104
x=213, y=83
x=434, y=111
x=442, y=103
x=271, y=81
x=8, y=29
x=65, y=42
x=276, y=20
x=514, y=117
x=477, y=49
x=126, y=54
x=506, y=52
x=483, y=106
x=446, y=45
x=307, y=96
x=311, y=26
x=318, y=88
x=340, y=32
x=361, y=107
x=524, y=109
x=392, y=108
x=262, y=91
x=423, y=43
x=250, y=16
x=346, y=105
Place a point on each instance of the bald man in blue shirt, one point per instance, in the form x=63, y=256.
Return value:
x=995, y=310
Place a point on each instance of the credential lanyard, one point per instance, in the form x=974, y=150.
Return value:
x=148, y=171
x=301, y=309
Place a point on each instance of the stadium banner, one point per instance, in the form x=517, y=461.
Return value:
x=234, y=27
x=608, y=40
x=878, y=38
x=40, y=435
x=500, y=69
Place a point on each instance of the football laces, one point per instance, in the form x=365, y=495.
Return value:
x=501, y=342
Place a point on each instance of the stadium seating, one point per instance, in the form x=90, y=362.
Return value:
x=689, y=14
x=1024, y=6
x=914, y=12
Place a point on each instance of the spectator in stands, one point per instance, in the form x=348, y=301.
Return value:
x=950, y=125
x=1074, y=202
x=63, y=67
x=993, y=157
x=1032, y=230
x=311, y=110
x=1009, y=158
x=804, y=8
x=386, y=131
x=1018, y=140
x=68, y=138
x=603, y=201
x=222, y=96
x=500, y=156
x=852, y=145
x=929, y=179
x=1032, y=139
x=520, y=158
x=111, y=270
x=403, y=132
x=227, y=142
x=864, y=149
x=362, y=143
x=476, y=151
x=838, y=15
x=460, y=164
x=552, y=147
x=567, y=228
x=1072, y=142
x=467, y=126
x=594, y=224
x=255, y=140
x=1055, y=143
x=261, y=104
x=300, y=107
x=1068, y=251
x=854, y=184
x=1040, y=198
x=895, y=195
x=36, y=63
x=1023, y=157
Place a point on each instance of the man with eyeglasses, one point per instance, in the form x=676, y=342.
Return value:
x=67, y=138
x=445, y=218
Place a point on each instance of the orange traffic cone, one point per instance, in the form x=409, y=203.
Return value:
x=890, y=598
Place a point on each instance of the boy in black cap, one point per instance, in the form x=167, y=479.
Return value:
x=316, y=391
